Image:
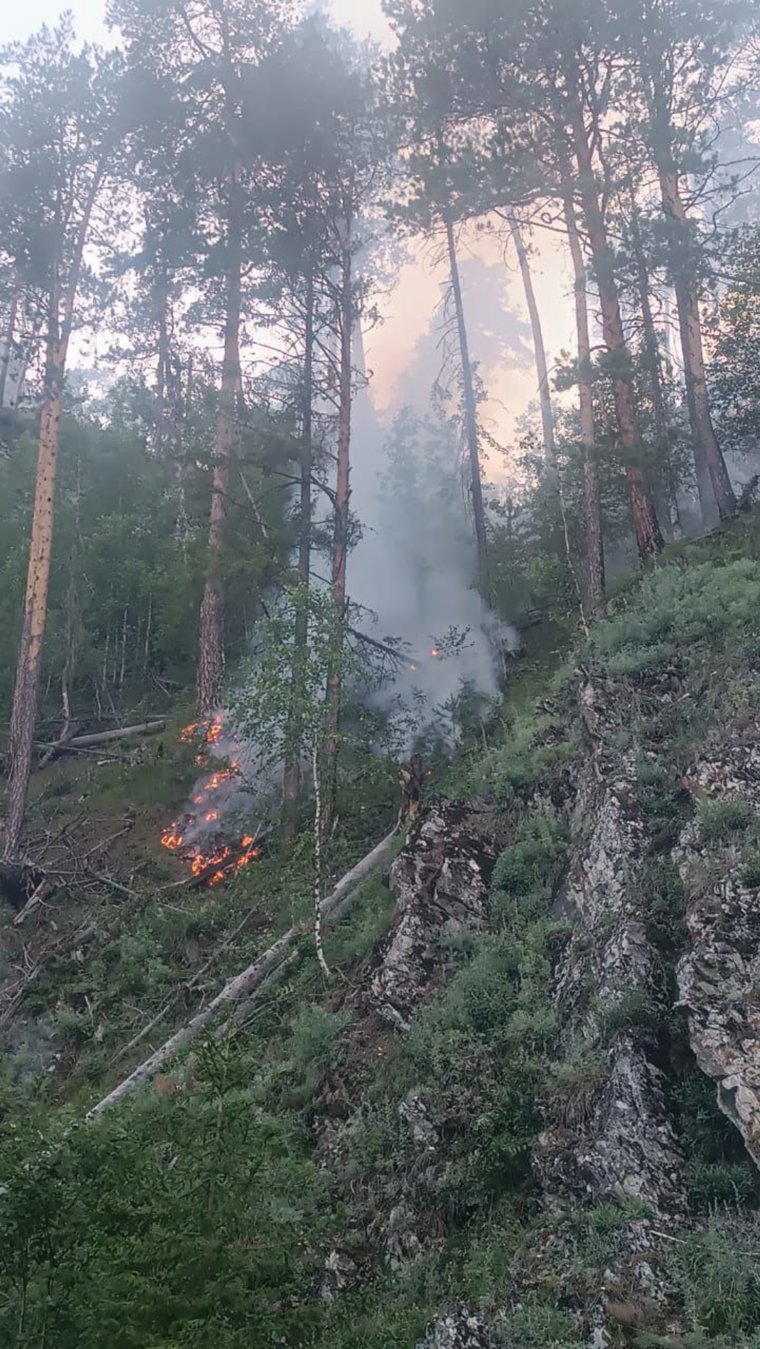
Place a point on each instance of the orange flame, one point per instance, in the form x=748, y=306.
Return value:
x=435, y=653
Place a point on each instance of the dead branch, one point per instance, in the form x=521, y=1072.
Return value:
x=254, y=979
x=103, y=737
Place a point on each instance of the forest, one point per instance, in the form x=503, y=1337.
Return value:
x=380, y=823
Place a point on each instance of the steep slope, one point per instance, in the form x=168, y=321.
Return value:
x=526, y=1111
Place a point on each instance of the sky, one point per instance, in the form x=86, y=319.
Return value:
x=398, y=350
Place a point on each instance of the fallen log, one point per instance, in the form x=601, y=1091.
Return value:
x=252, y=980
x=103, y=737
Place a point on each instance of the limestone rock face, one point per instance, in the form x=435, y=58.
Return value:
x=613, y=1138
x=441, y=882
x=459, y=1329
x=719, y=977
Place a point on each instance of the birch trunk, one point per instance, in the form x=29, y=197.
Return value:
x=5, y=360
x=644, y=519
x=470, y=416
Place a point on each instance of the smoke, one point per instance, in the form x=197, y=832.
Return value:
x=412, y=572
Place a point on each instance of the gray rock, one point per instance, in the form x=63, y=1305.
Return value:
x=441, y=882
x=458, y=1329
x=719, y=978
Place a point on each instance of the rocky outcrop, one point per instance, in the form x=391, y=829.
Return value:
x=719, y=978
x=459, y=1329
x=609, y=1137
x=441, y=882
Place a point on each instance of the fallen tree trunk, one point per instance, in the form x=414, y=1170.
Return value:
x=253, y=979
x=97, y=738
x=102, y=737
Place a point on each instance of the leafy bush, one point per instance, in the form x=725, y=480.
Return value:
x=675, y=608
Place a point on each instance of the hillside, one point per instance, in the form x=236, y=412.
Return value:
x=523, y=1112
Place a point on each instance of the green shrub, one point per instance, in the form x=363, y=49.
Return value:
x=714, y=1183
x=674, y=608
x=720, y=820
x=720, y=1284
x=538, y=846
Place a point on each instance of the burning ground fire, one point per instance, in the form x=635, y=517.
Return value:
x=211, y=859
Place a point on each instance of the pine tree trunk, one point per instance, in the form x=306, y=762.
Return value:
x=61, y=302
x=211, y=629
x=644, y=519
x=542, y=368
x=707, y=451
x=292, y=776
x=669, y=513
x=340, y=532
x=27, y=687
x=470, y=417
x=595, y=569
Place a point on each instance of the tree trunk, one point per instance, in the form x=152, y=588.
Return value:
x=664, y=469
x=29, y=665
x=542, y=369
x=707, y=451
x=211, y=631
x=644, y=519
x=5, y=361
x=340, y=533
x=292, y=775
x=162, y=367
x=26, y=691
x=470, y=417
x=592, y=498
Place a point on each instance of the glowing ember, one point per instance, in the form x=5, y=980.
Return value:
x=171, y=839
x=435, y=653
x=221, y=861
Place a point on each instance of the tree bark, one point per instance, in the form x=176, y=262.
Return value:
x=470, y=417
x=61, y=301
x=669, y=512
x=340, y=531
x=5, y=361
x=644, y=519
x=707, y=452
x=542, y=368
x=211, y=659
x=595, y=568
x=292, y=774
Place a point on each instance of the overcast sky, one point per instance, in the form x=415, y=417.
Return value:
x=394, y=346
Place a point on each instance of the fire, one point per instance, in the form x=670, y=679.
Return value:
x=435, y=653
x=221, y=863
x=223, y=860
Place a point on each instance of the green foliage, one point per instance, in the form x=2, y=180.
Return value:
x=675, y=608
x=530, y=861
x=722, y=820
x=719, y=1281
x=173, y=1222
